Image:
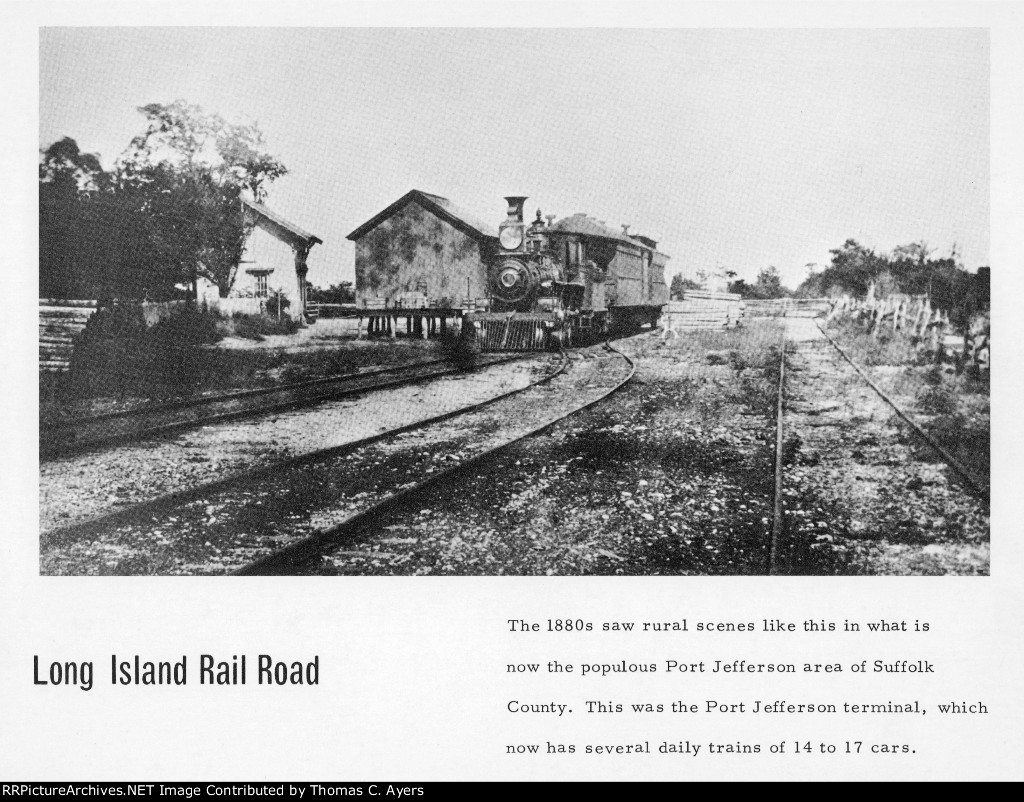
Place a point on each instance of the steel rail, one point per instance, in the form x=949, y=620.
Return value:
x=308, y=548
x=778, y=519
x=185, y=403
x=968, y=478
x=155, y=506
x=50, y=451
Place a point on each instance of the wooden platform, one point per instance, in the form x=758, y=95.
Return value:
x=408, y=322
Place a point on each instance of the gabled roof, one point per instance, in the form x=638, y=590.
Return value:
x=587, y=226
x=581, y=223
x=441, y=207
x=283, y=228
x=650, y=243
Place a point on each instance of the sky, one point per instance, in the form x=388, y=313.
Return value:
x=736, y=149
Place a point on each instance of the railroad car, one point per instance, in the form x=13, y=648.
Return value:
x=567, y=282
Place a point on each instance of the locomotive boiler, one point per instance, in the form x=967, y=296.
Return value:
x=567, y=282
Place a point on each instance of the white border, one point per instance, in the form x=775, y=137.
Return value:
x=413, y=683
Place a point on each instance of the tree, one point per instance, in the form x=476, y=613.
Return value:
x=741, y=288
x=853, y=268
x=341, y=293
x=169, y=212
x=73, y=189
x=909, y=269
x=680, y=285
x=63, y=166
x=914, y=252
x=188, y=140
x=186, y=175
x=189, y=226
x=769, y=284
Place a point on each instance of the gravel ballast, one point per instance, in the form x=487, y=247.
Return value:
x=77, y=488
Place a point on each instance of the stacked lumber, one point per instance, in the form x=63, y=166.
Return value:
x=788, y=307
x=60, y=324
x=701, y=309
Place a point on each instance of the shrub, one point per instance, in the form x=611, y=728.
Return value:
x=256, y=327
x=277, y=301
x=461, y=347
x=937, y=400
x=118, y=356
x=189, y=327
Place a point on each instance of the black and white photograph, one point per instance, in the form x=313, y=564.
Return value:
x=293, y=317
x=422, y=392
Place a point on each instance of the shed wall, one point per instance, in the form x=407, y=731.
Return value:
x=414, y=251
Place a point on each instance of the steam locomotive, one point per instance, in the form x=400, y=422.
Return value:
x=567, y=282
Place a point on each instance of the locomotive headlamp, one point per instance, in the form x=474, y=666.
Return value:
x=511, y=238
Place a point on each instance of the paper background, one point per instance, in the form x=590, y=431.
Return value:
x=413, y=682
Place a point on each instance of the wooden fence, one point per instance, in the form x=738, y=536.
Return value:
x=237, y=306
x=928, y=326
x=911, y=314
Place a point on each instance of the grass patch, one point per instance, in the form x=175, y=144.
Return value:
x=967, y=439
x=256, y=327
x=888, y=348
x=752, y=346
x=118, y=361
x=951, y=406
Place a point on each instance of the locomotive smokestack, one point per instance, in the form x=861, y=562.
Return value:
x=625, y=229
x=550, y=218
x=515, y=207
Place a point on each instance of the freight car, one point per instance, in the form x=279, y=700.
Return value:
x=566, y=282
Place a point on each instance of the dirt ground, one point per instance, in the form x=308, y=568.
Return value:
x=226, y=528
x=902, y=509
x=674, y=475
x=80, y=486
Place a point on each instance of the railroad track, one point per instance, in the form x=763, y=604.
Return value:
x=110, y=429
x=270, y=519
x=287, y=559
x=976, y=485
x=786, y=552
